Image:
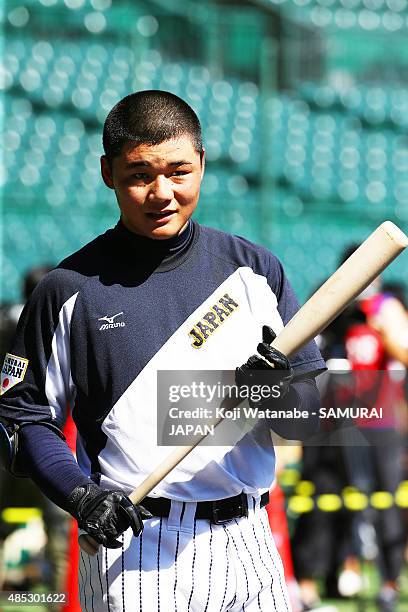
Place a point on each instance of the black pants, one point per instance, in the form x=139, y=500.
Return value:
x=379, y=467
x=323, y=540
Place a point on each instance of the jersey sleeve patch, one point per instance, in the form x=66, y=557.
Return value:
x=13, y=372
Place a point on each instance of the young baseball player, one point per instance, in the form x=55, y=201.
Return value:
x=156, y=292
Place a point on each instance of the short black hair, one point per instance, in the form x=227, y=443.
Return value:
x=149, y=117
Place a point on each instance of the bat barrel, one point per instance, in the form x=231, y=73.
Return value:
x=351, y=278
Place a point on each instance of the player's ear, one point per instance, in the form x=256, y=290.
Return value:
x=106, y=171
x=202, y=161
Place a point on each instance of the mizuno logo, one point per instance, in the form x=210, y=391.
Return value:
x=110, y=322
x=110, y=319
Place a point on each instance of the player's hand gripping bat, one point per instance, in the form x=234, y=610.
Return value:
x=347, y=282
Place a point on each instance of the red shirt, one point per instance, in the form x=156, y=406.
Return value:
x=374, y=385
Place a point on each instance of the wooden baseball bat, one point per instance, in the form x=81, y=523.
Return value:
x=346, y=283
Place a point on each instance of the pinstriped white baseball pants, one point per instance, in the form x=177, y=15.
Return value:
x=182, y=564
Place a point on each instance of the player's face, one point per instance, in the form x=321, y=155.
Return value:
x=157, y=186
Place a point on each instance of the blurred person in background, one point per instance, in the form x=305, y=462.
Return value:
x=10, y=312
x=370, y=335
x=377, y=351
x=322, y=541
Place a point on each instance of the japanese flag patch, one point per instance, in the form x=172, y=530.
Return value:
x=12, y=372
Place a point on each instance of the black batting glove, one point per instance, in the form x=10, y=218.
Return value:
x=248, y=373
x=105, y=515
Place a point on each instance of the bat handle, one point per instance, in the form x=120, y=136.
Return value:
x=88, y=544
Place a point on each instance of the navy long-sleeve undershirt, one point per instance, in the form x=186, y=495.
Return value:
x=49, y=462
